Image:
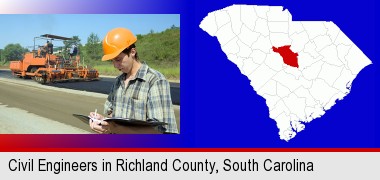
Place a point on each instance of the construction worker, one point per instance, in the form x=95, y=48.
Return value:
x=39, y=52
x=44, y=49
x=140, y=92
x=48, y=48
x=73, y=51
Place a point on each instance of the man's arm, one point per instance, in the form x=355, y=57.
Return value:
x=108, y=107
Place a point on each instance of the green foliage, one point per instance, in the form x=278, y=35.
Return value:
x=1, y=55
x=160, y=49
x=68, y=43
x=13, y=52
x=107, y=70
x=93, y=50
x=4, y=65
x=171, y=73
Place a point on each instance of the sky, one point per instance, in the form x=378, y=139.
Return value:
x=22, y=28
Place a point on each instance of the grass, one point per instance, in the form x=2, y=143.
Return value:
x=4, y=65
x=171, y=73
x=107, y=70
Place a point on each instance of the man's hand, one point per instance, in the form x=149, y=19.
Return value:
x=97, y=116
x=98, y=125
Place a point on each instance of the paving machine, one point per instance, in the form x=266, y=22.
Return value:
x=44, y=66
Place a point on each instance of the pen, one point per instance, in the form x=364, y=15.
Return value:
x=96, y=118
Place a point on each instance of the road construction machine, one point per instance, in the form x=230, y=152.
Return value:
x=44, y=65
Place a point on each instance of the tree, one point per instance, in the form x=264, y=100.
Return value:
x=68, y=43
x=174, y=27
x=13, y=52
x=93, y=49
x=1, y=55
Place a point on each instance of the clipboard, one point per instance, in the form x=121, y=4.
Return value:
x=124, y=121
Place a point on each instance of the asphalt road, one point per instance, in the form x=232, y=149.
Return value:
x=51, y=104
x=102, y=86
x=27, y=102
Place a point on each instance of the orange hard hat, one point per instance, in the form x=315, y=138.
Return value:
x=116, y=41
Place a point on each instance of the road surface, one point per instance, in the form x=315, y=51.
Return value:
x=102, y=86
x=28, y=107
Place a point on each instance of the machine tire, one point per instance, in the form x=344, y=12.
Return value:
x=34, y=69
x=44, y=78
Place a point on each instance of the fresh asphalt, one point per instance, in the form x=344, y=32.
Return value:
x=102, y=86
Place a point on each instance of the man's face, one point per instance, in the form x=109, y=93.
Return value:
x=123, y=62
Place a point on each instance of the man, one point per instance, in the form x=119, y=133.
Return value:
x=73, y=51
x=140, y=92
x=48, y=47
x=40, y=52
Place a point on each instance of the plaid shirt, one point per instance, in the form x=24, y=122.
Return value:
x=147, y=96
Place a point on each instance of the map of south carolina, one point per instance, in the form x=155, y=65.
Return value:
x=301, y=68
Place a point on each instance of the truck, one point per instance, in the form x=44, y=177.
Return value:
x=45, y=66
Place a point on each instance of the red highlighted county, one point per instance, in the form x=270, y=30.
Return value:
x=289, y=57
